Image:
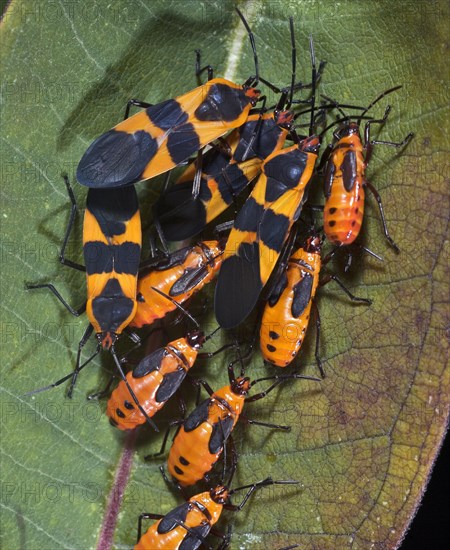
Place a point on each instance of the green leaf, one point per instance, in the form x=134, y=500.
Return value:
x=364, y=441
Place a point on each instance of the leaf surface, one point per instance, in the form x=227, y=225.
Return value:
x=363, y=442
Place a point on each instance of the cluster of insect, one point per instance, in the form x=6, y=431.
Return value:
x=267, y=257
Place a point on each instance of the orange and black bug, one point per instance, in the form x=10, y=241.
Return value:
x=261, y=229
x=157, y=377
x=287, y=311
x=111, y=247
x=264, y=222
x=200, y=440
x=164, y=135
x=187, y=526
x=179, y=276
x=345, y=180
x=199, y=196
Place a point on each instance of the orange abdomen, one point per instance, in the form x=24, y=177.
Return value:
x=152, y=540
x=121, y=408
x=166, y=368
x=198, y=265
x=199, y=443
x=343, y=214
x=286, y=315
x=344, y=191
x=189, y=458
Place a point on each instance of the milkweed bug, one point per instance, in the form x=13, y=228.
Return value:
x=345, y=181
x=179, y=276
x=264, y=222
x=200, y=439
x=261, y=229
x=287, y=311
x=199, y=196
x=157, y=377
x=162, y=136
x=187, y=526
x=111, y=247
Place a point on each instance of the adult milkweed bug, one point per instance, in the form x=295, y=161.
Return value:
x=261, y=229
x=287, y=311
x=111, y=247
x=200, y=195
x=157, y=377
x=263, y=224
x=201, y=437
x=345, y=181
x=162, y=136
x=183, y=273
x=187, y=526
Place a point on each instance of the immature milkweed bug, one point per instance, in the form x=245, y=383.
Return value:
x=162, y=136
x=187, y=526
x=180, y=275
x=202, y=436
x=157, y=377
x=288, y=306
x=111, y=247
x=345, y=181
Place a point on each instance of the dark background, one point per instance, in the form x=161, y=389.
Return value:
x=430, y=529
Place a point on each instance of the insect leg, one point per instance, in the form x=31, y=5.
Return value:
x=265, y=424
x=103, y=393
x=352, y=297
x=383, y=218
x=199, y=70
x=73, y=213
x=130, y=389
x=74, y=312
x=135, y=103
x=316, y=352
x=253, y=487
x=172, y=423
x=87, y=334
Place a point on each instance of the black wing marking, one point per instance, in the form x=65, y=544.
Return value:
x=349, y=170
x=112, y=208
x=111, y=308
x=220, y=433
x=263, y=144
x=174, y=517
x=189, y=280
x=170, y=384
x=329, y=176
x=278, y=288
x=179, y=214
x=238, y=286
x=195, y=536
x=161, y=264
x=116, y=159
x=197, y=416
x=302, y=295
x=149, y=363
